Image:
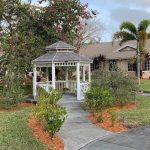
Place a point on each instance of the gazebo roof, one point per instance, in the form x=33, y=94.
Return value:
x=61, y=52
x=60, y=46
x=62, y=57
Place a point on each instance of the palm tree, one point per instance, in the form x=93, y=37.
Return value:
x=128, y=31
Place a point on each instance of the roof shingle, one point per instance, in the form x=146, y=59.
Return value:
x=111, y=51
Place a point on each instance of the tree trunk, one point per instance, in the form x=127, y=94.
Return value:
x=138, y=62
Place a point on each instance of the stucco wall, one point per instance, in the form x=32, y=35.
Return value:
x=146, y=75
x=123, y=65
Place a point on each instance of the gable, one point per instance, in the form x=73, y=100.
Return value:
x=126, y=49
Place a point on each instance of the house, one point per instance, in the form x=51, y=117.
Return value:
x=116, y=55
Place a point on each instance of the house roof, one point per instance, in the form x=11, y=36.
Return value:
x=112, y=51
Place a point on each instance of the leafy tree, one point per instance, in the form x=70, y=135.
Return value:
x=128, y=31
x=19, y=51
x=25, y=29
x=60, y=20
x=12, y=13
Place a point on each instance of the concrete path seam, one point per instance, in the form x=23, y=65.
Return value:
x=97, y=139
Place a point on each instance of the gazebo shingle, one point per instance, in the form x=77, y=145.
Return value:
x=60, y=46
x=62, y=57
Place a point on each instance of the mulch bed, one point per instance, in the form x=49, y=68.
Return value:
x=55, y=143
x=107, y=124
x=7, y=110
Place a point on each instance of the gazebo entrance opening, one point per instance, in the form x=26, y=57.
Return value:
x=77, y=72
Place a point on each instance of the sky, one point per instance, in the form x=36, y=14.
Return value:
x=113, y=12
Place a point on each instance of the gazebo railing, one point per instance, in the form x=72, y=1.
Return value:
x=84, y=86
x=45, y=85
x=60, y=85
x=70, y=85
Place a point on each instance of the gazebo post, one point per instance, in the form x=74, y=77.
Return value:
x=53, y=76
x=78, y=81
x=47, y=74
x=83, y=73
x=89, y=73
x=34, y=80
x=66, y=77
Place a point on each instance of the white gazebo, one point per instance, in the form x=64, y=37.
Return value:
x=61, y=54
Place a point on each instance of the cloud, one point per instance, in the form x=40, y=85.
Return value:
x=133, y=15
x=139, y=3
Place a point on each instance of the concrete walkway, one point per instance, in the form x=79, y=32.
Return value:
x=77, y=131
x=135, y=139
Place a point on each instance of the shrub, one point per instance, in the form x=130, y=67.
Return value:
x=48, y=113
x=99, y=117
x=121, y=86
x=12, y=93
x=96, y=99
x=113, y=118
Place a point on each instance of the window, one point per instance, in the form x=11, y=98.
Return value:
x=147, y=65
x=112, y=65
x=96, y=64
x=131, y=67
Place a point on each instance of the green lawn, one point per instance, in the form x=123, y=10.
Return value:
x=145, y=85
x=139, y=116
x=15, y=134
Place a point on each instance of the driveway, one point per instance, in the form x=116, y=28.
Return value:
x=136, y=139
x=77, y=131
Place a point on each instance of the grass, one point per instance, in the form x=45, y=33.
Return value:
x=139, y=116
x=145, y=85
x=15, y=134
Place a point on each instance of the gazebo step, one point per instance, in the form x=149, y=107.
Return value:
x=30, y=100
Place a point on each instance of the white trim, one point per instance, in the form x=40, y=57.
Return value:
x=89, y=73
x=66, y=77
x=122, y=47
x=53, y=76
x=34, y=81
x=78, y=81
x=47, y=73
x=83, y=73
x=146, y=71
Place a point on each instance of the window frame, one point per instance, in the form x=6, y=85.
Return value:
x=112, y=62
x=147, y=65
x=131, y=67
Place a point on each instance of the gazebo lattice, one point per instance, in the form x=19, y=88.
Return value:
x=61, y=54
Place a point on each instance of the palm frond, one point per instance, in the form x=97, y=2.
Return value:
x=130, y=27
x=123, y=36
x=143, y=25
